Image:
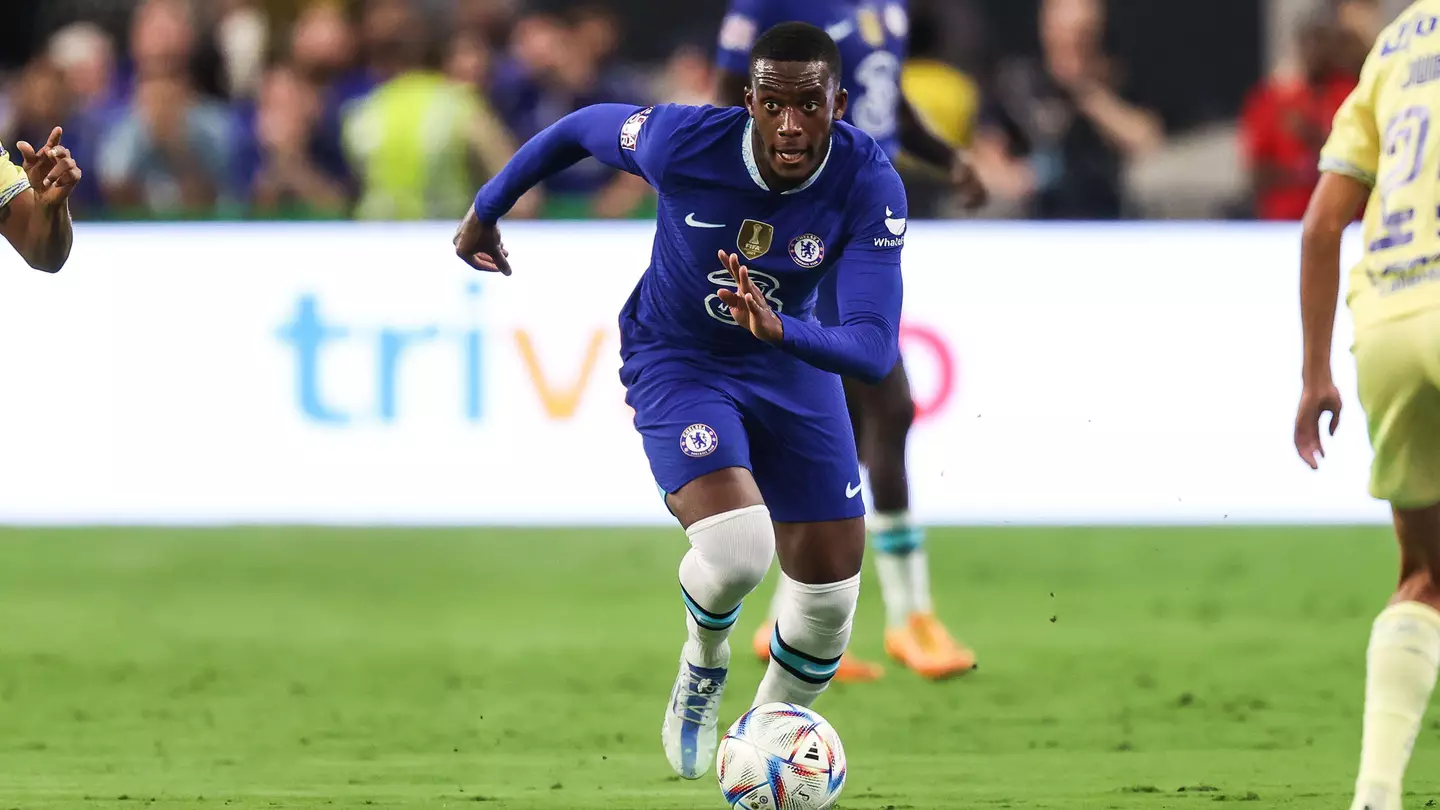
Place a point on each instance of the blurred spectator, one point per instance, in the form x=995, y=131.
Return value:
x=85, y=57
x=163, y=39
x=489, y=19
x=242, y=36
x=290, y=163
x=1059, y=132
x=419, y=143
x=170, y=152
x=1287, y=119
x=169, y=156
x=1358, y=24
x=552, y=70
x=687, y=78
x=324, y=50
x=41, y=101
x=468, y=59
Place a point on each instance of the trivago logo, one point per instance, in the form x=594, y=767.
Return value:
x=316, y=338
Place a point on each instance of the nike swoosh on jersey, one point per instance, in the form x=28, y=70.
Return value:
x=852, y=491
x=695, y=223
x=895, y=226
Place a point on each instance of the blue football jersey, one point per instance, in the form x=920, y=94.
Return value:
x=872, y=35
x=712, y=197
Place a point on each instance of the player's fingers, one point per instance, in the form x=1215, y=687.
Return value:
x=54, y=140
x=1334, y=417
x=60, y=171
x=27, y=152
x=482, y=261
x=1305, y=446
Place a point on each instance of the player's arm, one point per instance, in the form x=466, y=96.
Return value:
x=622, y=136
x=35, y=203
x=866, y=343
x=1348, y=165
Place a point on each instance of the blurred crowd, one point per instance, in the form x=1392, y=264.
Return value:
x=399, y=109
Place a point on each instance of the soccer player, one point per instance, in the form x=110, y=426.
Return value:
x=733, y=382
x=1384, y=148
x=872, y=38
x=35, y=202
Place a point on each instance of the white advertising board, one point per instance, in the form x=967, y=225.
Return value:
x=361, y=374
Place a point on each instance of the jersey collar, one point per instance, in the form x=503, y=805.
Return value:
x=747, y=150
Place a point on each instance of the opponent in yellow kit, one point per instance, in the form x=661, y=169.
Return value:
x=1385, y=146
x=35, y=202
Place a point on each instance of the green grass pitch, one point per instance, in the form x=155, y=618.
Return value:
x=315, y=668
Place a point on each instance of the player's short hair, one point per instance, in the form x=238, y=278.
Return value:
x=796, y=42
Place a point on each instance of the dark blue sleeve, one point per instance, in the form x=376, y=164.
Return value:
x=621, y=136
x=745, y=21
x=866, y=344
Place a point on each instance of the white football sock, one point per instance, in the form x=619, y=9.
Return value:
x=901, y=565
x=729, y=555
x=810, y=636
x=1401, y=665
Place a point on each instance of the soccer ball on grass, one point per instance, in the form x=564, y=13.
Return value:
x=781, y=757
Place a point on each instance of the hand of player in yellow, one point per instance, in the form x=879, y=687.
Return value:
x=967, y=183
x=1315, y=401
x=52, y=172
x=747, y=303
x=478, y=245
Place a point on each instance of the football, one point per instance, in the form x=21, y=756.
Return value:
x=781, y=757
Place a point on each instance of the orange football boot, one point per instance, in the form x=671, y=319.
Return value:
x=925, y=646
x=852, y=669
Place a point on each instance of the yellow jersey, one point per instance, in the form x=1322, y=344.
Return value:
x=1387, y=135
x=12, y=179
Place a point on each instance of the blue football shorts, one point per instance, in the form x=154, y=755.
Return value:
x=781, y=419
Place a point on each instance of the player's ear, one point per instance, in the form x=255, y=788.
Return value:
x=842, y=102
x=749, y=99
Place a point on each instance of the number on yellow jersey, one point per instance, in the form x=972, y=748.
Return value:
x=1387, y=135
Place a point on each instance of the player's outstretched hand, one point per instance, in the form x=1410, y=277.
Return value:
x=478, y=245
x=747, y=303
x=51, y=170
x=1315, y=402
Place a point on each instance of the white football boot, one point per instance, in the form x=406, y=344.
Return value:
x=691, y=729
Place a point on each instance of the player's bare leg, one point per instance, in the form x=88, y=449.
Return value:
x=732, y=542
x=1401, y=663
x=820, y=565
x=914, y=636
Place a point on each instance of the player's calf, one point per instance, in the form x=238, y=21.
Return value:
x=1401, y=663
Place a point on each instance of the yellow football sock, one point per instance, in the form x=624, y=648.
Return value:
x=1402, y=661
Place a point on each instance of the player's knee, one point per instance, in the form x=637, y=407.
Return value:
x=738, y=545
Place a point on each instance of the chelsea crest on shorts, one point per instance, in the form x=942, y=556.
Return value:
x=698, y=441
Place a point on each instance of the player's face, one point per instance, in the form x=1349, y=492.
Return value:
x=794, y=105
